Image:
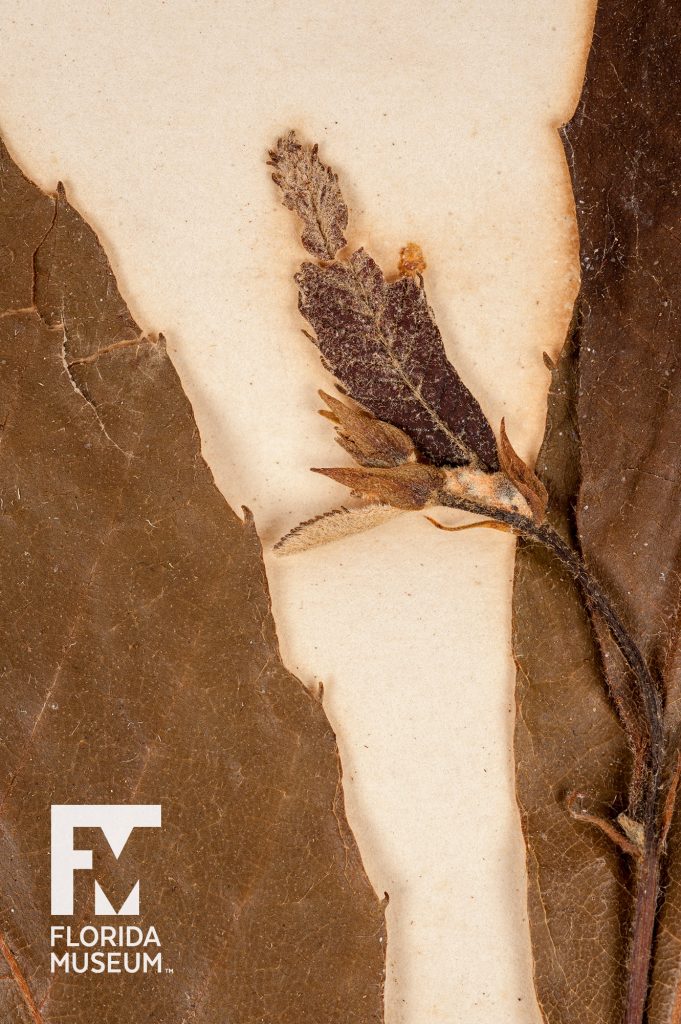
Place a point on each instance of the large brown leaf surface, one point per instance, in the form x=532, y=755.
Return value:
x=612, y=461
x=140, y=665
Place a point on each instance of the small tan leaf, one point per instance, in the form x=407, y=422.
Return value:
x=527, y=482
x=411, y=486
x=311, y=190
x=334, y=525
x=371, y=442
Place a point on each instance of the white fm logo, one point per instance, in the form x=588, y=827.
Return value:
x=116, y=822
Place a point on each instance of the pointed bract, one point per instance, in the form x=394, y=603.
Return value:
x=411, y=486
x=334, y=525
x=525, y=479
x=371, y=442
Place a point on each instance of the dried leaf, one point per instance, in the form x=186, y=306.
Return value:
x=25, y=217
x=311, y=190
x=371, y=442
x=140, y=666
x=621, y=474
x=410, y=487
x=380, y=340
x=334, y=525
x=527, y=481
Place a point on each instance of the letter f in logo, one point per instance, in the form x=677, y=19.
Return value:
x=116, y=822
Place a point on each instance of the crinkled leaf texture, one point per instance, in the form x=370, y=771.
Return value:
x=381, y=341
x=140, y=665
x=612, y=463
x=311, y=190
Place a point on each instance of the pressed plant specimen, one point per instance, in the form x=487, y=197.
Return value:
x=597, y=592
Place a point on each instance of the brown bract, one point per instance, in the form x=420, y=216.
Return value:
x=140, y=665
x=369, y=441
x=409, y=487
x=520, y=474
x=612, y=464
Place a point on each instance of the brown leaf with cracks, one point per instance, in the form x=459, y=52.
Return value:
x=311, y=190
x=567, y=737
x=140, y=665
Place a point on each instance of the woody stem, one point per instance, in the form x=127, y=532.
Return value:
x=647, y=884
x=647, y=880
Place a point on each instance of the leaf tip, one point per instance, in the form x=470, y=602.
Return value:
x=522, y=477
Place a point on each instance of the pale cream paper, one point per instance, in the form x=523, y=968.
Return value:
x=441, y=119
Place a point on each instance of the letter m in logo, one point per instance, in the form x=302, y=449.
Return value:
x=116, y=822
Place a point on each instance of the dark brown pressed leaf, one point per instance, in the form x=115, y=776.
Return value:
x=622, y=479
x=25, y=217
x=140, y=665
x=382, y=343
x=311, y=190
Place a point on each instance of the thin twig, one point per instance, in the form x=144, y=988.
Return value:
x=649, y=813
